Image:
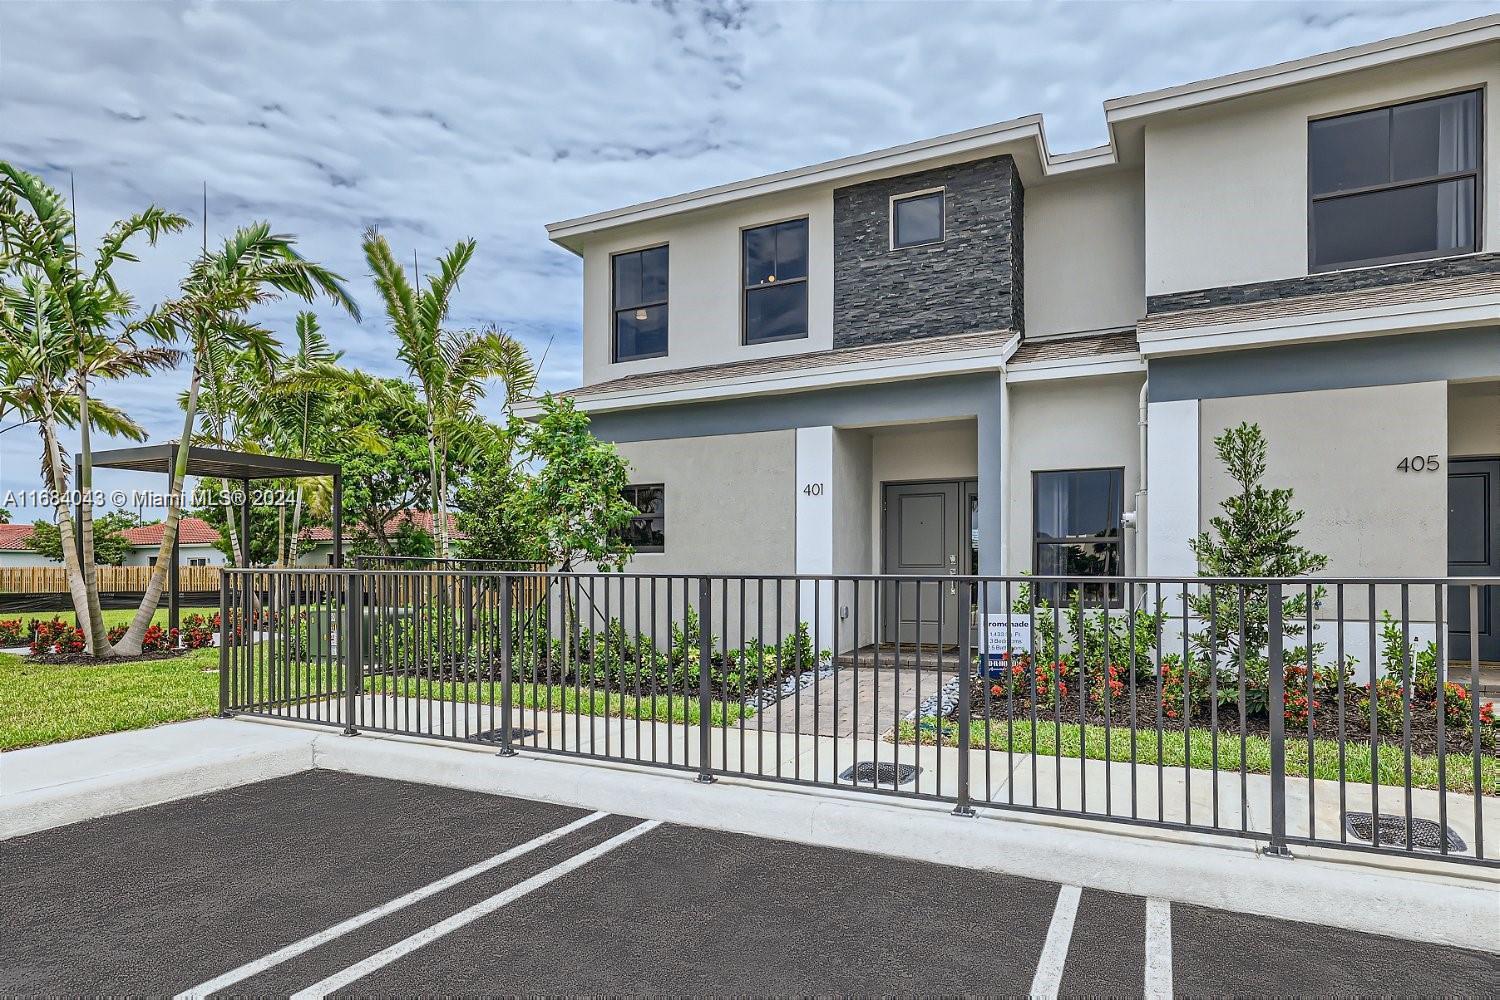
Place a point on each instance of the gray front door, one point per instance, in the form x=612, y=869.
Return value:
x=923, y=536
x=1474, y=550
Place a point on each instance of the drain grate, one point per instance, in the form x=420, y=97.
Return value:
x=1425, y=834
x=884, y=773
x=494, y=735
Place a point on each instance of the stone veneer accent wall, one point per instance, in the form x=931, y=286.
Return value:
x=1356, y=279
x=969, y=283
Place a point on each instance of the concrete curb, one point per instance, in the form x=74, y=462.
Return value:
x=1458, y=909
x=43, y=788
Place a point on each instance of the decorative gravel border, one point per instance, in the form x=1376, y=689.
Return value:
x=788, y=687
x=940, y=703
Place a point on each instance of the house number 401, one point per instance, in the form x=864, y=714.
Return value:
x=1418, y=463
x=813, y=489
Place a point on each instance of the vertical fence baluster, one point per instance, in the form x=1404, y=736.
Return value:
x=351, y=647
x=965, y=702
x=705, y=698
x=1276, y=672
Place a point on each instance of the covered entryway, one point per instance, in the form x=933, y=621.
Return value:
x=1474, y=550
x=925, y=532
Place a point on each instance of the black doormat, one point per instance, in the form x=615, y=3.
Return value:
x=884, y=773
x=1425, y=834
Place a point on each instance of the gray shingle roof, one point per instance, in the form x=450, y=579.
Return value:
x=1069, y=348
x=1310, y=305
x=735, y=370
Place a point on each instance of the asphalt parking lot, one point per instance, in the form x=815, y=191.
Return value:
x=331, y=884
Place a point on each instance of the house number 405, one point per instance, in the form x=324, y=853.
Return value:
x=1418, y=463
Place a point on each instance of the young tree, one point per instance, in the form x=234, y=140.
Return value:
x=570, y=508
x=1255, y=536
x=451, y=369
x=4, y=516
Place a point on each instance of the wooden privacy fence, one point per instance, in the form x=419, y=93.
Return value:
x=112, y=579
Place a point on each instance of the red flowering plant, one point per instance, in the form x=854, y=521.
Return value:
x=1170, y=682
x=12, y=632
x=158, y=639
x=197, y=637
x=1105, y=685
x=45, y=635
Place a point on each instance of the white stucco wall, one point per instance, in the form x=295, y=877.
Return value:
x=704, y=278
x=1338, y=451
x=730, y=502
x=1084, y=423
x=1474, y=419
x=1226, y=185
x=1085, y=252
x=142, y=556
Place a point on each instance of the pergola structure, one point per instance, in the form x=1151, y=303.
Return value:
x=238, y=467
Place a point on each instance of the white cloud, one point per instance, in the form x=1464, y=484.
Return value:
x=438, y=121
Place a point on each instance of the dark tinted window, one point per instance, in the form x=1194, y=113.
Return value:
x=917, y=220
x=1398, y=183
x=640, y=304
x=775, y=272
x=1079, y=532
x=647, y=532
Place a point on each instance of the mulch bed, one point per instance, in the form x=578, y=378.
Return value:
x=1424, y=735
x=84, y=659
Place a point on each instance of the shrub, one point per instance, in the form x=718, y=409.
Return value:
x=46, y=635
x=12, y=633
x=197, y=637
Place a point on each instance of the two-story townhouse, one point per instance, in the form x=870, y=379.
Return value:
x=970, y=354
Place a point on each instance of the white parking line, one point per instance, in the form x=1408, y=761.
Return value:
x=1049, y=968
x=386, y=956
x=354, y=923
x=1158, y=949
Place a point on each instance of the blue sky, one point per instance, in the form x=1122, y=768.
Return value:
x=438, y=121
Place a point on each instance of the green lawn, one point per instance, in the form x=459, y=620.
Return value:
x=1174, y=752
x=47, y=703
x=112, y=616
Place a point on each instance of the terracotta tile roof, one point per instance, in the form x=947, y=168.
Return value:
x=1069, y=348
x=1310, y=305
x=734, y=370
x=190, y=531
x=15, y=538
x=422, y=519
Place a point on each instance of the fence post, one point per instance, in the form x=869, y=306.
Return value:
x=507, y=615
x=965, y=704
x=224, y=712
x=352, y=643
x=1276, y=669
x=705, y=700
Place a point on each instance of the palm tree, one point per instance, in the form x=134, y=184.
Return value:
x=254, y=266
x=64, y=326
x=452, y=369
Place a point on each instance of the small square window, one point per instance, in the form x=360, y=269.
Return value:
x=640, y=304
x=917, y=220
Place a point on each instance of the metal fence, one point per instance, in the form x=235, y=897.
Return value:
x=1323, y=712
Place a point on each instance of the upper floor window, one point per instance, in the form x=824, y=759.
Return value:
x=917, y=219
x=775, y=282
x=1079, y=532
x=640, y=304
x=1393, y=184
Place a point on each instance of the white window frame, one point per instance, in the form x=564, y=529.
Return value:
x=907, y=196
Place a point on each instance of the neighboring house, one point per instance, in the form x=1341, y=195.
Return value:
x=317, y=542
x=956, y=355
x=196, y=539
x=196, y=543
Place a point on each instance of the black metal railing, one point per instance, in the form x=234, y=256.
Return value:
x=1311, y=712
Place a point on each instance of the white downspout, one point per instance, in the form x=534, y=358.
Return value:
x=1136, y=520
